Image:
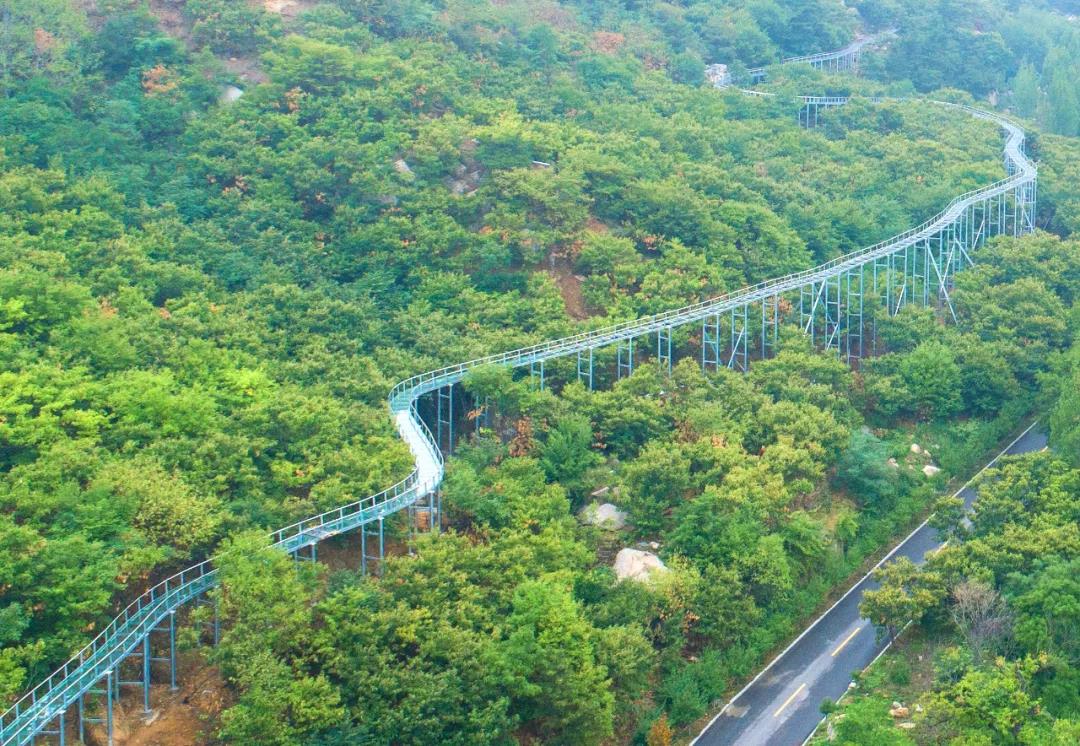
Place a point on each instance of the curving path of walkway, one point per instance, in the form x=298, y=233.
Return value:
x=946, y=242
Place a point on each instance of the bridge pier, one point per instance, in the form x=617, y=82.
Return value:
x=60, y=732
x=710, y=343
x=663, y=349
x=853, y=340
x=107, y=721
x=444, y=419
x=368, y=537
x=770, y=325
x=624, y=359
x=740, y=336
x=585, y=368
x=536, y=373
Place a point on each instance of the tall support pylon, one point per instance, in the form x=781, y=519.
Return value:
x=770, y=325
x=60, y=731
x=536, y=373
x=853, y=302
x=739, y=358
x=168, y=628
x=109, y=694
x=372, y=547
x=444, y=418
x=711, y=347
x=663, y=349
x=585, y=368
x=808, y=295
x=142, y=658
x=832, y=311
x=902, y=263
x=624, y=359
x=941, y=269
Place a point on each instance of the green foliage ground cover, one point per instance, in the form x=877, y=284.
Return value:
x=763, y=492
x=203, y=306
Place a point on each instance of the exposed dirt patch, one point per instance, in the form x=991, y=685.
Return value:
x=245, y=69
x=343, y=552
x=562, y=271
x=186, y=717
x=170, y=16
x=171, y=19
x=288, y=8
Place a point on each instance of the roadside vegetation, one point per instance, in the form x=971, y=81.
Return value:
x=203, y=303
x=992, y=655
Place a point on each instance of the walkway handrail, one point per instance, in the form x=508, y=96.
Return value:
x=30, y=714
x=853, y=48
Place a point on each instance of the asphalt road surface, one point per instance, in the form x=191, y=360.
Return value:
x=780, y=706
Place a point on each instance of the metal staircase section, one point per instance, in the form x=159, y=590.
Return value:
x=830, y=299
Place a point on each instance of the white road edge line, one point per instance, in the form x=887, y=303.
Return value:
x=850, y=590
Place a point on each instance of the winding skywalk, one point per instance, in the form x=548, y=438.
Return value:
x=834, y=61
x=916, y=266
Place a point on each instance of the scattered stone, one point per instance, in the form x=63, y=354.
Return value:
x=908, y=725
x=852, y=685
x=930, y=470
x=605, y=516
x=897, y=705
x=654, y=545
x=893, y=463
x=918, y=708
x=230, y=94
x=402, y=167
x=899, y=712
x=600, y=492
x=634, y=564
x=718, y=75
x=916, y=448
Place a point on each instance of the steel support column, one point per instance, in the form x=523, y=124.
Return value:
x=444, y=419
x=770, y=325
x=710, y=343
x=536, y=373
x=585, y=368
x=624, y=359
x=740, y=334
x=853, y=339
x=367, y=535
x=663, y=349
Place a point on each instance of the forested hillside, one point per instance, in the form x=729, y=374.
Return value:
x=227, y=228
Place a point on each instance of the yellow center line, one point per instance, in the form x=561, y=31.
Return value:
x=845, y=642
x=789, y=699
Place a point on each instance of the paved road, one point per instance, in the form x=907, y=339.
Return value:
x=780, y=706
